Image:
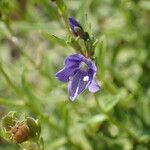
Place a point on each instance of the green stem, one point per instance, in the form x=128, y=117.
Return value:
x=63, y=15
x=39, y=147
x=42, y=144
x=97, y=103
x=66, y=23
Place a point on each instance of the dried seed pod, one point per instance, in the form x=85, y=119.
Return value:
x=20, y=133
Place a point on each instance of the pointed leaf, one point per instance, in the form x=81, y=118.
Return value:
x=54, y=39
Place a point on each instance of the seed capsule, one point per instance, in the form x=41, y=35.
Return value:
x=20, y=133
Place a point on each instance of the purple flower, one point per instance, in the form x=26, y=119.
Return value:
x=80, y=73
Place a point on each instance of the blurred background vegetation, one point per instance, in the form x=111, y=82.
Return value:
x=30, y=55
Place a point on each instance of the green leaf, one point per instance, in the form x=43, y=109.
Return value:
x=38, y=27
x=57, y=143
x=100, y=51
x=97, y=119
x=111, y=103
x=112, y=100
x=32, y=101
x=62, y=7
x=54, y=39
x=94, y=122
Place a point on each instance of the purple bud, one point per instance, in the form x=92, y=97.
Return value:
x=76, y=28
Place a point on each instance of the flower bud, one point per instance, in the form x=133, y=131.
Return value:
x=76, y=28
x=79, y=32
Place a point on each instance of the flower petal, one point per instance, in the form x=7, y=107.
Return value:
x=73, y=22
x=71, y=66
x=92, y=65
x=91, y=74
x=94, y=87
x=65, y=73
x=74, y=85
x=80, y=82
x=84, y=82
x=74, y=59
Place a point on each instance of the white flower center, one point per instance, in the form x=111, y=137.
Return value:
x=86, y=78
x=83, y=66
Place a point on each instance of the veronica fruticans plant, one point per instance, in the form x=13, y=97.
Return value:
x=79, y=69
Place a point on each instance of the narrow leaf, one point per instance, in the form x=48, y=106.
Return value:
x=54, y=38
